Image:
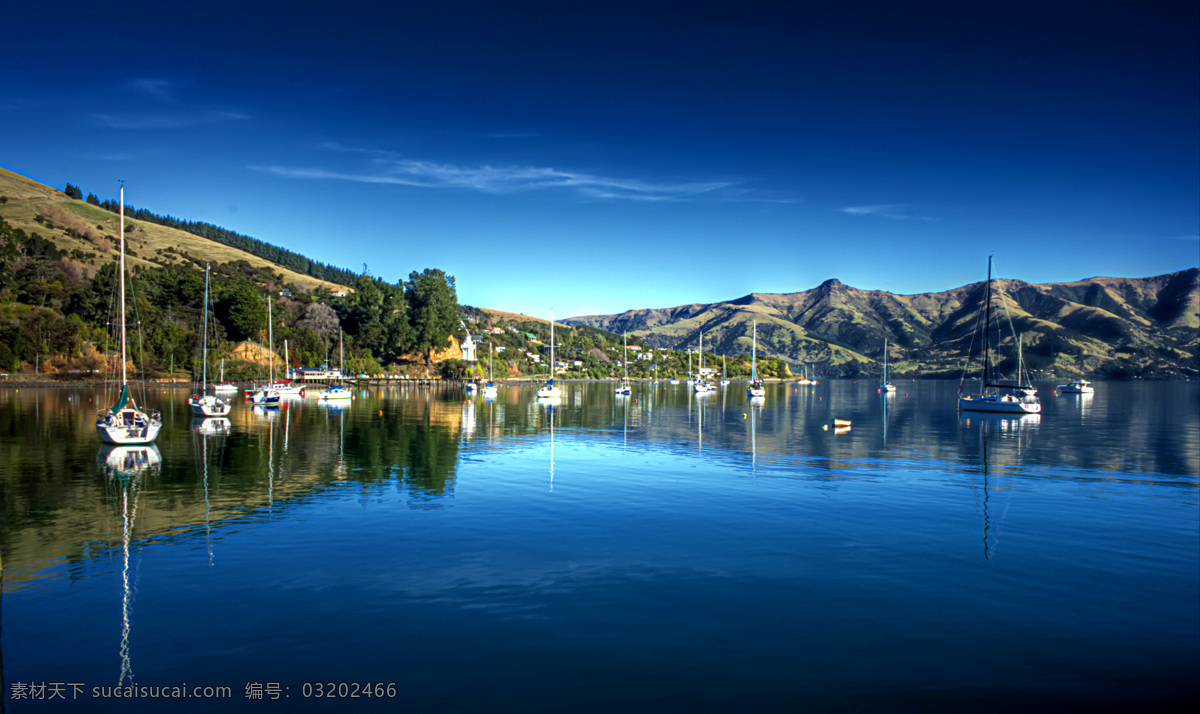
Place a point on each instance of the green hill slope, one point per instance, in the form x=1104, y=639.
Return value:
x=87, y=233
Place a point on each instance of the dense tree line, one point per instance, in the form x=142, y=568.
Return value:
x=280, y=256
x=52, y=314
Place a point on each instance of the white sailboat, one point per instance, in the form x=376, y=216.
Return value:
x=755, y=388
x=885, y=387
x=803, y=378
x=265, y=395
x=223, y=386
x=489, y=388
x=995, y=395
x=724, y=379
x=123, y=422
x=205, y=403
x=548, y=390
x=337, y=392
x=287, y=388
x=701, y=385
x=623, y=389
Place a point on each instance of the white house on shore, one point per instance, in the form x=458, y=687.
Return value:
x=468, y=348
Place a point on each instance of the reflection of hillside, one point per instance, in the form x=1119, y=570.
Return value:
x=58, y=504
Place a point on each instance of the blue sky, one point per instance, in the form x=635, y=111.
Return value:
x=599, y=157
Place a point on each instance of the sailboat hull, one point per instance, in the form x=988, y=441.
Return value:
x=128, y=427
x=1000, y=405
x=208, y=406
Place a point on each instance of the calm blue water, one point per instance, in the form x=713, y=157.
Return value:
x=661, y=552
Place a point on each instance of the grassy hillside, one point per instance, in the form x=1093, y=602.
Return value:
x=89, y=233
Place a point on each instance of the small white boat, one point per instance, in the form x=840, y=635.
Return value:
x=268, y=394
x=206, y=404
x=548, y=390
x=701, y=385
x=724, y=379
x=336, y=392
x=264, y=397
x=224, y=387
x=755, y=388
x=1079, y=386
x=489, y=387
x=623, y=389
x=886, y=387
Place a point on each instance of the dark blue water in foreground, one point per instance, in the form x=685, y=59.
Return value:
x=655, y=553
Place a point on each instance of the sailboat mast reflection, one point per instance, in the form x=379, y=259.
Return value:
x=126, y=675
x=987, y=550
x=753, y=442
x=126, y=466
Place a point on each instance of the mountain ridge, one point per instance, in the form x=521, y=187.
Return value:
x=1101, y=326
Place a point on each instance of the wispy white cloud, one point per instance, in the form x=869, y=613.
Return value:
x=163, y=89
x=392, y=169
x=166, y=121
x=897, y=211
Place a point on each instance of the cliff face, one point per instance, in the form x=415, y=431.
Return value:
x=1101, y=326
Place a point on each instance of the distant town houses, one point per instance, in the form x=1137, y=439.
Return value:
x=339, y=292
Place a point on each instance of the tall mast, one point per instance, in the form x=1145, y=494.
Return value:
x=552, y=344
x=754, y=350
x=204, y=370
x=987, y=326
x=122, y=283
x=270, y=340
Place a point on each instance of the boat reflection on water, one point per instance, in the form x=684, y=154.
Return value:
x=128, y=467
x=995, y=430
x=126, y=463
x=212, y=426
x=204, y=431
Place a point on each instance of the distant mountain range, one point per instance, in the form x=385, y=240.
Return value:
x=1100, y=327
